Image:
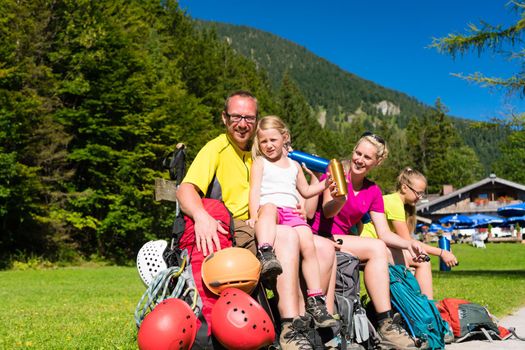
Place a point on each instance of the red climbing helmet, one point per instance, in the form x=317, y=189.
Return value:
x=239, y=322
x=171, y=325
x=231, y=267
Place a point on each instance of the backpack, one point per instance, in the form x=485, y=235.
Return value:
x=422, y=318
x=183, y=254
x=356, y=330
x=472, y=321
x=186, y=240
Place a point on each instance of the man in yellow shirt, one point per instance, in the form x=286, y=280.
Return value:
x=221, y=170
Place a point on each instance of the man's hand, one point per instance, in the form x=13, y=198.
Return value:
x=206, y=228
x=299, y=210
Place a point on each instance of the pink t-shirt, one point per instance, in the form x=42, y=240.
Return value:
x=369, y=198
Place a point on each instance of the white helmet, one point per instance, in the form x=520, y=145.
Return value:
x=150, y=260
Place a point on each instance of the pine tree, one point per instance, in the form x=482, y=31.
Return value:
x=502, y=41
x=439, y=153
x=510, y=163
x=33, y=166
x=494, y=38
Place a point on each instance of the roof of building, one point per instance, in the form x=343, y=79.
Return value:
x=492, y=178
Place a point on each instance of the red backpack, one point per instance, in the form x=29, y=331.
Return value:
x=185, y=239
x=471, y=320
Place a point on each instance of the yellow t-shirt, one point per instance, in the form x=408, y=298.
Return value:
x=394, y=211
x=222, y=159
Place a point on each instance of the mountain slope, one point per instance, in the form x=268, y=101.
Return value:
x=323, y=83
x=336, y=94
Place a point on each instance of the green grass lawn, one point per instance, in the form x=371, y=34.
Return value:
x=92, y=308
x=69, y=308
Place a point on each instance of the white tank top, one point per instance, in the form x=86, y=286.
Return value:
x=279, y=185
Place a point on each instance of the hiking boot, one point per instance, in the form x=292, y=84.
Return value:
x=393, y=336
x=293, y=335
x=316, y=306
x=449, y=336
x=270, y=266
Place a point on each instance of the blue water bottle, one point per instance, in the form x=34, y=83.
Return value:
x=444, y=243
x=314, y=163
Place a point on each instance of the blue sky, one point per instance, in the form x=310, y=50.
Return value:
x=386, y=42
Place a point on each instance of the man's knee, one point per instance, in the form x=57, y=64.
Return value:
x=245, y=236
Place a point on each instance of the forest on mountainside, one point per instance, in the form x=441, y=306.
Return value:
x=94, y=94
x=339, y=95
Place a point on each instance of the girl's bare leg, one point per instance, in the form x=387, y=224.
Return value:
x=377, y=281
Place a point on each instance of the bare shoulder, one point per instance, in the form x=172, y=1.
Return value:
x=295, y=163
x=258, y=162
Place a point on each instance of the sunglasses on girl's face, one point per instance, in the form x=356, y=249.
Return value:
x=416, y=193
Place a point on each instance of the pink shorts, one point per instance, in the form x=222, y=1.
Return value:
x=286, y=216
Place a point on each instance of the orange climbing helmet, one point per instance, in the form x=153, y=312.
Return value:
x=240, y=323
x=231, y=267
x=171, y=325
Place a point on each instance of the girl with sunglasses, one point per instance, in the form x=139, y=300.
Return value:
x=400, y=210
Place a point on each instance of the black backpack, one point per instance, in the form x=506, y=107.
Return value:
x=357, y=331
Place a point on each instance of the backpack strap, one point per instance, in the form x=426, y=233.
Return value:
x=487, y=335
x=512, y=331
x=175, y=162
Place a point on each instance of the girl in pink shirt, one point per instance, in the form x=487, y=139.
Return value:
x=337, y=214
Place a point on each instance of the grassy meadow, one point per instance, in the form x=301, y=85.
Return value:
x=92, y=307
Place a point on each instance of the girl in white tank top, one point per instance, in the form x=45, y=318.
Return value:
x=274, y=182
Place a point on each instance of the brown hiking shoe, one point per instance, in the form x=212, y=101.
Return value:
x=293, y=335
x=316, y=306
x=393, y=336
x=270, y=266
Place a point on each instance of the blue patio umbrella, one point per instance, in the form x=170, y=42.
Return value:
x=512, y=210
x=483, y=220
x=515, y=220
x=437, y=227
x=457, y=219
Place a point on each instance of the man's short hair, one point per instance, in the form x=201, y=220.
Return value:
x=241, y=93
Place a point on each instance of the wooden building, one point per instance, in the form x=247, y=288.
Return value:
x=483, y=197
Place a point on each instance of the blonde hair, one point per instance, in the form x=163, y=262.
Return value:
x=378, y=142
x=407, y=177
x=266, y=123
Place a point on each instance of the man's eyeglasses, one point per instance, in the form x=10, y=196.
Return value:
x=374, y=136
x=416, y=193
x=236, y=118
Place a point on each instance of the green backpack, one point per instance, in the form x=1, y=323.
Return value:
x=422, y=318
